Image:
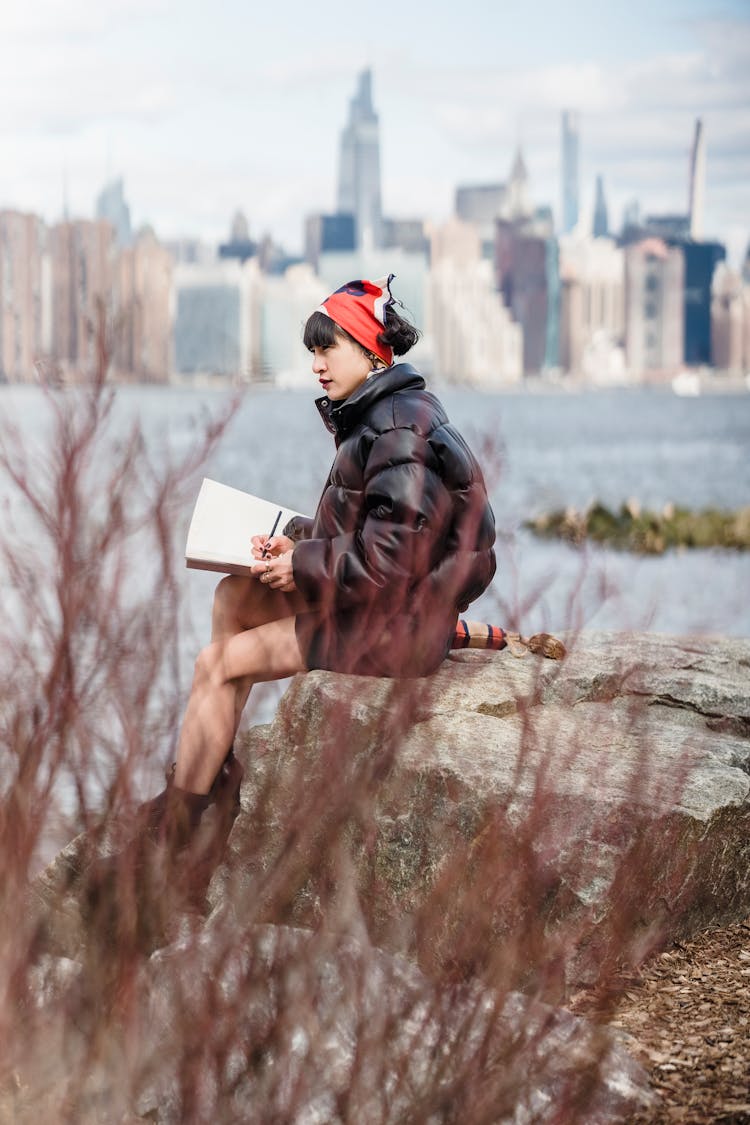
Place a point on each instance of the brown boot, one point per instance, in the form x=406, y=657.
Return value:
x=225, y=792
x=170, y=855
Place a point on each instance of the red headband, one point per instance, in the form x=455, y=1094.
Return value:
x=359, y=308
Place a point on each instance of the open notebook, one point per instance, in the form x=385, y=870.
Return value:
x=224, y=521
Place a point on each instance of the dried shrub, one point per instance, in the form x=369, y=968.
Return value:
x=359, y=966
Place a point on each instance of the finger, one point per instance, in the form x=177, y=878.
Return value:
x=276, y=544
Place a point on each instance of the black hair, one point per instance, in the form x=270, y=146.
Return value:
x=321, y=332
x=399, y=333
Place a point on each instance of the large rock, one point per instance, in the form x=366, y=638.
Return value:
x=506, y=824
x=558, y=818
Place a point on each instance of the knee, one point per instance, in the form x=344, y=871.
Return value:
x=209, y=666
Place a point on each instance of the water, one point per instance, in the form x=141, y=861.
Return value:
x=542, y=450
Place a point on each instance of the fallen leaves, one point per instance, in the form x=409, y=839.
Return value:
x=688, y=1023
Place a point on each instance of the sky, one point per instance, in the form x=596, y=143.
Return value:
x=205, y=109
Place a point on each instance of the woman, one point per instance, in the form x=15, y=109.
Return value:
x=373, y=585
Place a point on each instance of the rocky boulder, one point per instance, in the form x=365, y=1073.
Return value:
x=568, y=816
x=420, y=873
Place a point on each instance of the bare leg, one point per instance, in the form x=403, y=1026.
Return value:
x=244, y=603
x=268, y=652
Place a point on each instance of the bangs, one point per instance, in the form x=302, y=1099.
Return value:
x=322, y=332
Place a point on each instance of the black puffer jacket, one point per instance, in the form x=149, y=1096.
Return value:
x=402, y=538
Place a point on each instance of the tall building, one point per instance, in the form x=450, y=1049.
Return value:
x=696, y=198
x=631, y=220
x=517, y=194
x=483, y=204
x=730, y=321
x=112, y=208
x=600, y=227
x=405, y=234
x=701, y=260
x=142, y=318
x=328, y=233
x=570, y=170
x=286, y=301
x=359, y=168
x=592, y=308
x=216, y=329
x=475, y=339
x=82, y=259
x=654, y=308
x=24, y=296
x=527, y=274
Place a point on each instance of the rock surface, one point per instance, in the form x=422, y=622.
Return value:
x=611, y=790
x=507, y=824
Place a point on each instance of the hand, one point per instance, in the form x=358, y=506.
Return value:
x=276, y=571
x=265, y=547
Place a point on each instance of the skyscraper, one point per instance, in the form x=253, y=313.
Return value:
x=142, y=292
x=601, y=219
x=569, y=170
x=82, y=255
x=527, y=274
x=701, y=260
x=359, y=169
x=325, y=233
x=111, y=206
x=697, y=181
x=730, y=321
x=24, y=295
x=517, y=196
x=654, y=310
x=592, y=307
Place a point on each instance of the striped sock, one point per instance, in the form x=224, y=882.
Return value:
x=475, y=634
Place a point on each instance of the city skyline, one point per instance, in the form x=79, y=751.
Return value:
x=248, y=110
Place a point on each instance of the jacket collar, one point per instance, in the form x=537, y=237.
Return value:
x=341, y=417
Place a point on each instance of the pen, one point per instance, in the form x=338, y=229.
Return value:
x=273, y=529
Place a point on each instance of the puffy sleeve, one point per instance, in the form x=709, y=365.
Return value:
x=405, y=512
x=298, y=528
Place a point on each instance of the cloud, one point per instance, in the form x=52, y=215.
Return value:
x=69, y=21
x=55, y=87
x=636, y=119
x=202, y=125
